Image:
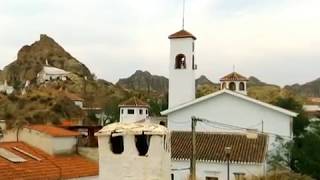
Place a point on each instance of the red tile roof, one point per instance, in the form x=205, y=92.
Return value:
x=53, y=131
x=234, y=77
x=182, y=34
x=211, y=147
x=134, y=102
x=49, y=167
x=73, y=97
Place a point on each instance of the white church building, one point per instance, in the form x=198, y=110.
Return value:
x=229, y=106
x=49, y=73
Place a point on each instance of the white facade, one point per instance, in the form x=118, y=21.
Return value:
x=51, y=73
x=215, y=170
x=311, y=108
x=78, y=103
x=233, y=109
x=5, y=88
x=133, y=114
x=181, y=80
x=128, y=162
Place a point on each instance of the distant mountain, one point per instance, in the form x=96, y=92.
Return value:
x=31, y=59
x=310, y=89
x=145, y=81
x=202, y=80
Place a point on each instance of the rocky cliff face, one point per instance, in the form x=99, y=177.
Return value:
x=144, y=81
x=31, y=59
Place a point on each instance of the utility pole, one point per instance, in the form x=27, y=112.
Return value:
x=193, y=155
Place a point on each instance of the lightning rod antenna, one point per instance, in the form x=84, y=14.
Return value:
x=183, y=10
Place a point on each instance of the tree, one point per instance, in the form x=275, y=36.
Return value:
x=300, y=154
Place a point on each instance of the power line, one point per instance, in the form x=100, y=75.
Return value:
x=233, y=127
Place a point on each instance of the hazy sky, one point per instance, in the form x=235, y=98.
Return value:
x=277, y=41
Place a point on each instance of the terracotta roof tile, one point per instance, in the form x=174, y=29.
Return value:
x=234, y=77
x=73, y=97
x=49, y=167
x=211, y=147
x=134, y=102
x=53, y=131
x=182, y=34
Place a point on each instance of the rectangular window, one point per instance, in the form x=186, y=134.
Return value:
x=193, y=67
x=140, y=111
x=130, y=111
x=192, y=46
x=147, y=111
x=121, y=111
x=211, y=178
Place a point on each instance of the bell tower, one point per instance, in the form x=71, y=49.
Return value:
x=182, y=68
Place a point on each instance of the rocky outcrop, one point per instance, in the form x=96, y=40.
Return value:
x=31, y=59
x=144, y=81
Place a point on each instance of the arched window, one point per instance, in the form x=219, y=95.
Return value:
x=241, y=86
x=232, y=86
x=142, y=144
x=180, y=61
x=116, y=144
x=223, y=85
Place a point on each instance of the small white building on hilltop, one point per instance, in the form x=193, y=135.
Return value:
x=49, y=73
x=133, y=110
x=134, y=151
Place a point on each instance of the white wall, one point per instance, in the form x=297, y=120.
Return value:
x=129, y=118
x=228, y=109
x=129, y=165
x=218, y=170
x=181, y=81
x=78, y=103
x=43, y=76
x=64, y=145
x=45, y=142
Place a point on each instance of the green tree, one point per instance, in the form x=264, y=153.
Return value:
x=301, y=153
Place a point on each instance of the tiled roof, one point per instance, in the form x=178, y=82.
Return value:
x=234, y=77
x=134, y=102
x=211, y=147
x=49, y=167
x=73, y=97
x=182, y=34
x=53, y=131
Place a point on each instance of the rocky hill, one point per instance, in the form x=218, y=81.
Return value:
x=42, y=100
x=31, y=59
x=145, y=81
x=310, y=89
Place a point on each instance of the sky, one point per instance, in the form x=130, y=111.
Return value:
x=277, y=41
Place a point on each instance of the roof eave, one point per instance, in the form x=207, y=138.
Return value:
x=203, y=98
